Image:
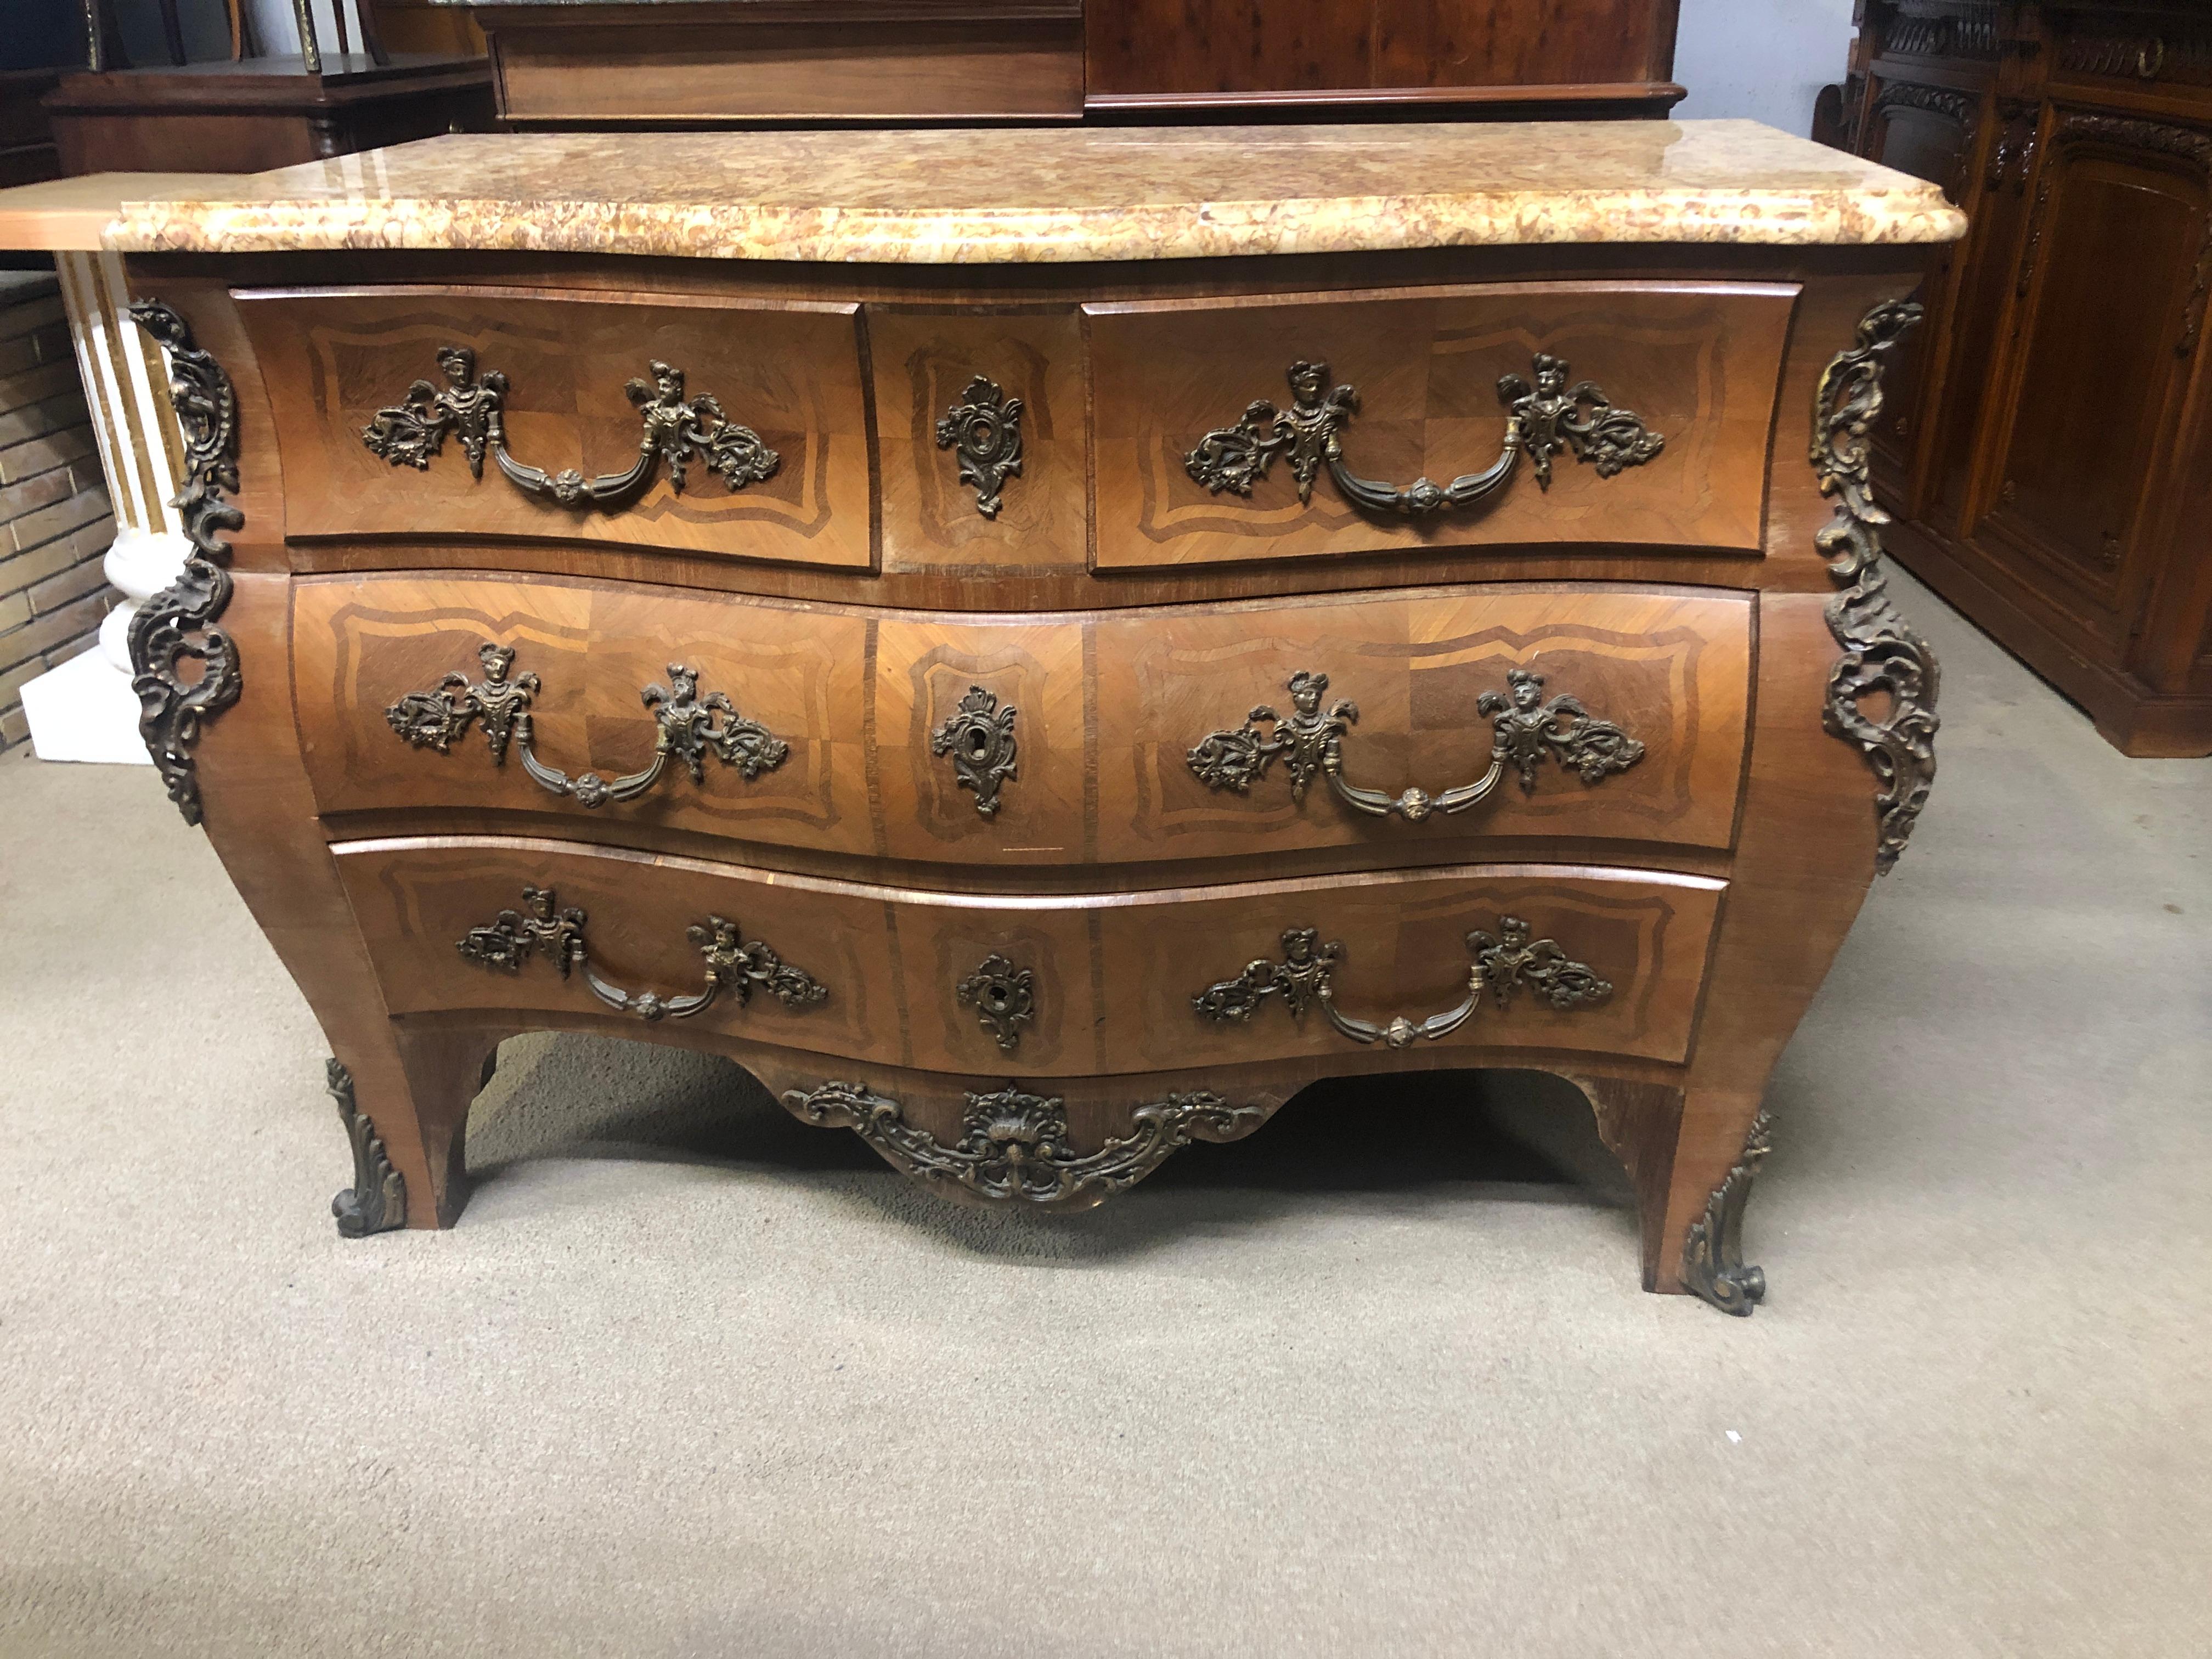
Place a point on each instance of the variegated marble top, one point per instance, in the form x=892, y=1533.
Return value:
x=969, y=196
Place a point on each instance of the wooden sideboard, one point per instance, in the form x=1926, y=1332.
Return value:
x=1521, y=57
x=1036, y=662
x=220, y=117
x=604, y=62
x=2050, y=441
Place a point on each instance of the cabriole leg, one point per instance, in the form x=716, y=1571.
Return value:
x=412, y=1120
x=1640, y=1124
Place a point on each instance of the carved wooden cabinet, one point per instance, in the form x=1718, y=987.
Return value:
x=1036, y=662
x=645, y=63
x=2049, y=438
x=1525, y=57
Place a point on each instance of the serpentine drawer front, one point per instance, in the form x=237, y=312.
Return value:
x=437, y=414
x=1640, y=412
x=1591, y=961
x=1374, y=722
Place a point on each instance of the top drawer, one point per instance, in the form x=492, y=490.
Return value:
x=390, y=402
x=1643, y=410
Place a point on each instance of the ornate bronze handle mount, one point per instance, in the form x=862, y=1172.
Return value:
x=1013, y=1147
x=1309, y=740
x=690, y=727
x=730, y=964
x=1542, y=420
x=676, y=430
x=1503, y=964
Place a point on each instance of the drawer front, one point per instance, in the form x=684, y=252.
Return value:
x=1014, y=500
x=1116, y=737
x=1590, y=961
x=1694, y=366
x=385, y=431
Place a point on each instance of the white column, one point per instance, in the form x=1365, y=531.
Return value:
x=85, y=710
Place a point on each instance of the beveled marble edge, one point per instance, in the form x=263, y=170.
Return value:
x=1215, y=230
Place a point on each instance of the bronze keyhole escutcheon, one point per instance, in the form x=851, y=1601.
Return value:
x=979, y=736
x=1004, y=997
x=985, y=428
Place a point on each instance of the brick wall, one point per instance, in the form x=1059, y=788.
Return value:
x=54, y=518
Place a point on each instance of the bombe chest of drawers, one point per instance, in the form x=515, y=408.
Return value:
x=1041, y=644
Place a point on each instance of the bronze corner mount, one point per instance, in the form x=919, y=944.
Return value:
x=1712, y=1255
x=179, y=623
x=1882, y=655
x=377, y=1200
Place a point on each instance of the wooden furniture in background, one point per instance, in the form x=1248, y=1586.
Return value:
x=669, y=62
x=1521, y=58
x=264, y=112
x=689, y=62
x=2050, y=446
x=426, y=26
x=251, y=112
x=39, y=39
x=961, y=622
x=26, y=133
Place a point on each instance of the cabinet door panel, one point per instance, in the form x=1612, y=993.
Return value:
x=1987, y=264
x=2105, y=354
x=1929, y=133
x=1231, y=47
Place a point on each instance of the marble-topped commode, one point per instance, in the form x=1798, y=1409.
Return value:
x=1042, y=644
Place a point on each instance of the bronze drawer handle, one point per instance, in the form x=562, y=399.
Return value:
x=1527, y=730
x=1013, y=1147
x=730, y=965
x=689, y=727
x=414, y=429
x=1502, y=964
x=1542, y=420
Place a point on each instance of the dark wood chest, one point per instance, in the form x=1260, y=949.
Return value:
x=2048, y=450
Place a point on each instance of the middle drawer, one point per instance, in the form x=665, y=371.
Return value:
x=1438, y=715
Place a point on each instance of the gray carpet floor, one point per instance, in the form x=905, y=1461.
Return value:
x=690, y=1378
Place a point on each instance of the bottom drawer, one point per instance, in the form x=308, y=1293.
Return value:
x=1484, y=957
